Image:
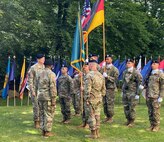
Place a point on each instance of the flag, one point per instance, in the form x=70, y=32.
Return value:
x=146, y=71
x=121, y=69
x=12, y=71
x=139, y=65
x=116, y=63
x=70, y=71
x=24, y=83
x=161, y=65
x=22, y=73
x=57, y=67
x=86, y=13
x=6, y=83
x=78, y=54
x=96, y=19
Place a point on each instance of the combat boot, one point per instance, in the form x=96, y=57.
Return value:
x=155, y=129
x=92, y=135
x=67, y=121
x=37, y=124
x=43, y=133
x=127, y=123
x=150, y=128
x=48, y=134
x=131, y=123
x=97, y=133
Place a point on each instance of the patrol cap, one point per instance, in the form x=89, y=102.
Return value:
x=39, y=56
x=155, y=61
x=93, y=61
x=130, y=60
x=48, y=62
x=108, y=56
x=64, y=66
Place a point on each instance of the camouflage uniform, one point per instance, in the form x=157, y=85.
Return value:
x=76, y=96
x=94, y=90
x=131, y=81
x=65, y=90
x=110, y=82
x=154, y=90
x=32, y=83
x=47, y=98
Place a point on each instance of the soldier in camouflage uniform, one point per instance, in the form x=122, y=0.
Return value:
x=76, y=97
x=110, y=73
x=65, y=90
x=154, y=96
x=32, y=83
x=132, y=79
x=46, y=97
x=94, y=90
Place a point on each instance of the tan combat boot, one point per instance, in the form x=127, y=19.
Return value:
x=92, y=135
x=131, y=123
x=97, y=133
x=48, y=134
x=155, y=129
x=37, y=124
x=150, y=128
x=67, y=121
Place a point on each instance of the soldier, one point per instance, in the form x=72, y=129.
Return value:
x=76, y=96
x=154, y=96
x=47, y=97
x=94, y=90
x=65, y=90
x=32, y=83
x=110, y=73
x=95, y=57
x=131, y=81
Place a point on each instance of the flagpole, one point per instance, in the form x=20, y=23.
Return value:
x=87, y=47
x=104, y=49
x=14, y=86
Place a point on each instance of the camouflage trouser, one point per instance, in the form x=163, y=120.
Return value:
x=129, y=103
x=84, y=117
x=65, y=104
x=153, y=111
x=93, y=115
x=35, y=108
x=108, y=102
x=76, y=103
x=46, y=115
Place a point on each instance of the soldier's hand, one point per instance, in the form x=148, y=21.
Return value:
x=141, y=87
x=105, y=74
x=137, y=97
x=53, y=103
x=82, y=88
x=160, y=99
x=33, y=94
x=80, y=74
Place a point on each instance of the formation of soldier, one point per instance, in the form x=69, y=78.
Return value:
x=88, y=89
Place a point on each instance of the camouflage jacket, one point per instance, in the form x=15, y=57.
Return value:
x=76, y=84
x=155, y=86
x=65, y=86
x=46, y=84
x=94, y=87
x=32, y=79
x=111, y=79
x=131, y=81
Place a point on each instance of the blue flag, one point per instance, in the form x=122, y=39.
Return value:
x=121, y=69
x=146, y=71
x=116, y=63
x=57, y=66
x=12, y=72
x=78, y=54
x=6, y=83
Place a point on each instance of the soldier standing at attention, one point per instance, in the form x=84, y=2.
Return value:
x=132, y=79
x=47, y=97
x=110, y=73
x=32, y=82
x=65, y=90
x=154, y=96
x=94, y=90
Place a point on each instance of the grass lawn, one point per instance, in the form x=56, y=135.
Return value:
x=16, y=125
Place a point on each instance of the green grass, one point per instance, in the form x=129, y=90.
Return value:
x=16, y=125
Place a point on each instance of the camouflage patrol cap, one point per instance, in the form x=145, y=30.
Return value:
x=155, y=61
x=48, y=62
x=130, y=60
x=93, y=61
x=39, y=56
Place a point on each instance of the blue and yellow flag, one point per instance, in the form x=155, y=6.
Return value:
x=6, y=83
x=78, y=54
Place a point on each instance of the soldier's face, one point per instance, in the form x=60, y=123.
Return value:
x=86, y=68
x=64, y=70
x=108, y=60
x=155, y=66
x=129, y=64
x=41, y=60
